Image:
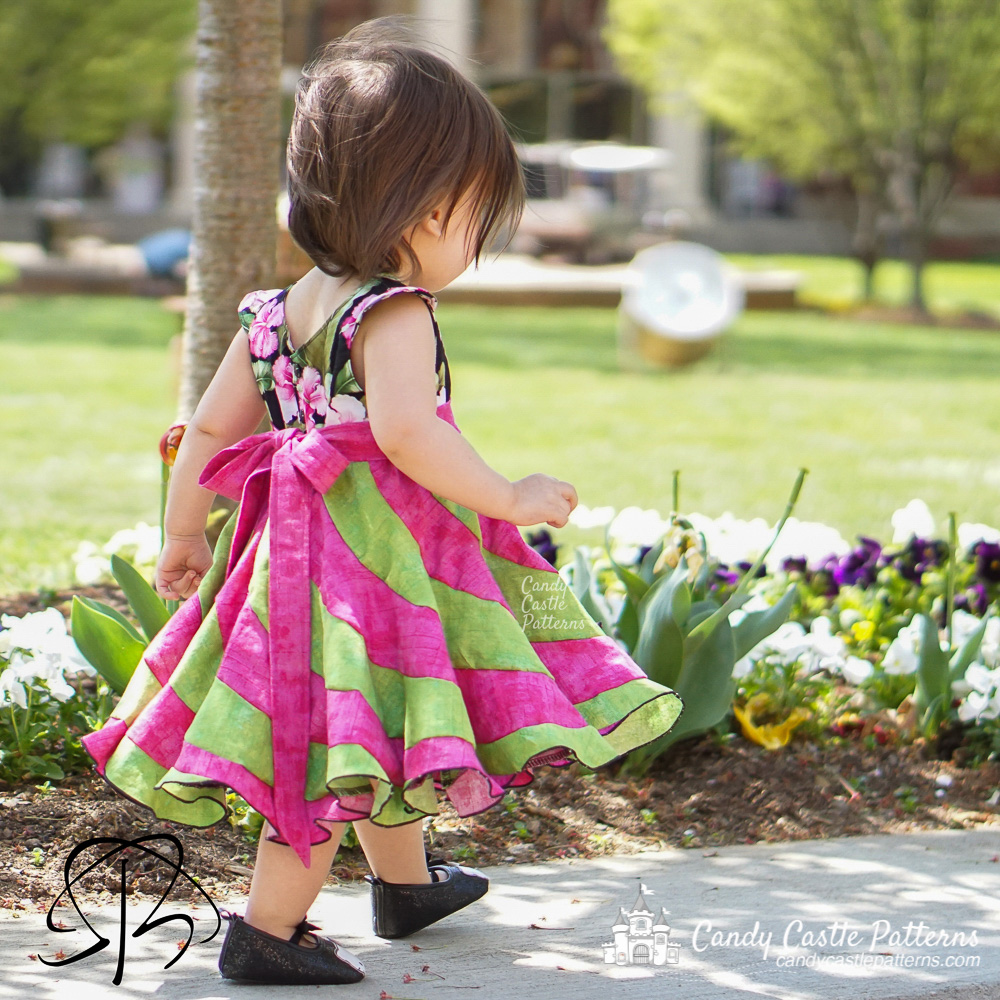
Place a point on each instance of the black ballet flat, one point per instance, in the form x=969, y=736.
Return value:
x=400, y=909
x=254, y=956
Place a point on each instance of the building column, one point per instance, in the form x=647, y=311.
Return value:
x=683, y=134
x=448, y=26
x=180, y=199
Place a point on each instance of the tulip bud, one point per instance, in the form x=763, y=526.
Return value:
x=170, y=442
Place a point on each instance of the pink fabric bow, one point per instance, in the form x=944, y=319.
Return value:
x=275, y=475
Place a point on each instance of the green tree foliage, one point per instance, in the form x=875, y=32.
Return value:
x=891, y=93
x=82, y=70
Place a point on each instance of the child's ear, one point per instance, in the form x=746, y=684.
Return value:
x=434, y=223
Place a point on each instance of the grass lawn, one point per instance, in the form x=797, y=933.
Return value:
x=878, y=413
x=87, y=395
x=949, y=286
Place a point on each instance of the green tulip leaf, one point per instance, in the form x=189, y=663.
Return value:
x=965, y=656
x=111, y=647
x=671, y=589
x=144, y=601
x=933, y=679
x=649, y=562
x=758, y=625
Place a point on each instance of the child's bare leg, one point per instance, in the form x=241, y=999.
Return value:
x=394, y=853
x=282, y=888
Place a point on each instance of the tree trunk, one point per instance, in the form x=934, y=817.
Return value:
x=916, y=253
x=237, y=177
x=867, y=239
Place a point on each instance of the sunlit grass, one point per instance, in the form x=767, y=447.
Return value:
x=949, y=286
x=879, y=414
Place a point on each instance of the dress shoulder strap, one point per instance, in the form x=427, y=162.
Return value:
x=251, y=303
x=383, y=287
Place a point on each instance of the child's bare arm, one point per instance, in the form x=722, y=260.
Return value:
x=231, y=408
x=398, y=352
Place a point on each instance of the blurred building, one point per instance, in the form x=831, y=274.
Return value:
x=544, y=64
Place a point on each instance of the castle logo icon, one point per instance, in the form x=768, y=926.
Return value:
x=638, y=940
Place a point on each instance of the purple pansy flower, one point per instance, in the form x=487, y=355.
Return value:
x=987, y=561
x=794, y=564
x=973, y=600
x=726, y=577
x=541, y=542
x=917, y=556
x=859, y=566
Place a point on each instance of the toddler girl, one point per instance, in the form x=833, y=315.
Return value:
x=372, y=628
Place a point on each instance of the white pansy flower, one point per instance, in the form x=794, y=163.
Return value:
x=743, y=666
x=989, y=651
x=11, y=689
x=826, y=650
x=33, y=631
x=978, y=678
x=586, y=517
x=809, y=540
x=976, y=706
x=788, y=643
x=731, y=540
x=963, y=625
x=149, y=543
x=856, y=669
x=91, y=570
x=636, y=527
x=901, y=656
x=29, y=669
x=125, y=538
x=915, y=519
x=85, y=550
x=969, y=534
x=625, y=555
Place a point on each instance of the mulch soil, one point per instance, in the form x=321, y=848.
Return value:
x=703, y=794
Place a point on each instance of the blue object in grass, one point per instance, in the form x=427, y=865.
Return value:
x=164, y=250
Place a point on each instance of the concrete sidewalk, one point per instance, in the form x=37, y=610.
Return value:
x=540, y=930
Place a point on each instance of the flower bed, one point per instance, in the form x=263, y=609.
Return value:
x=819, y=738
x=849, y=657
x=846, y=661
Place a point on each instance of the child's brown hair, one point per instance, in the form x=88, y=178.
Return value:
x=384, y=131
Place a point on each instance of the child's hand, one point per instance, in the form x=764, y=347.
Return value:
x=539, y=497
x=181, y=566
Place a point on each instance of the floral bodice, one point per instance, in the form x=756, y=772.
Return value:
x=314, y=384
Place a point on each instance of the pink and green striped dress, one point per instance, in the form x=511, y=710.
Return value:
x=356, y=625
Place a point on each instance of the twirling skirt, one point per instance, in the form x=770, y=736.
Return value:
x=356, y=626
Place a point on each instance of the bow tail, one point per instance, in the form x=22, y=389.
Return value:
x=290, y=649
x=248, y=515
